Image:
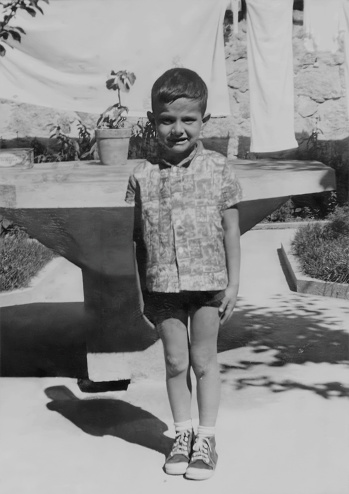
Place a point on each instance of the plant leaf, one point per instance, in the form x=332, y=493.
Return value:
x=16, y=36
x=20, y=29
x=131, y=77
x=112, y=83
x=30, y=11
x=126, y=80
x=34, y=3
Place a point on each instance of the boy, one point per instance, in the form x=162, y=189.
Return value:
x=188, y=250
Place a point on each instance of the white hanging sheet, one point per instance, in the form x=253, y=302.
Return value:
x=346, y=49
x=270, y=66
x=67, y=53
x=323, y=23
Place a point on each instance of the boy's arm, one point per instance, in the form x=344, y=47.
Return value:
x=232, y=253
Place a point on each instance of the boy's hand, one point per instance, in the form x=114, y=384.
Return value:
x=228, y=303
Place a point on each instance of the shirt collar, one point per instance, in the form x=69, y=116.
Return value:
x=186, y=161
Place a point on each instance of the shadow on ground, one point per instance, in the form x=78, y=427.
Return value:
x=48, y=340
x=325, y=390
x=291, y=329
x=295, y=327
x=101, y=417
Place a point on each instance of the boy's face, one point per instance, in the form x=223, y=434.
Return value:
x=178, y=126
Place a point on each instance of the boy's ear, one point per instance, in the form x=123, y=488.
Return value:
x=206, y=118
x=151, y=118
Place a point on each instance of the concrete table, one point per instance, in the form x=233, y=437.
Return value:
x=77, y=209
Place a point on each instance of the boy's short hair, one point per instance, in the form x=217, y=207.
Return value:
x=179, y=83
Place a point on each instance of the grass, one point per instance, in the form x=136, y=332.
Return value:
x=323, y=250
x=21, y=259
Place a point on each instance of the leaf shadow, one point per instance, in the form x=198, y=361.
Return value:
x=293, y=329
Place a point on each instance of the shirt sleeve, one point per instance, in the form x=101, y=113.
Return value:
x=131, y=190
x=231, y=192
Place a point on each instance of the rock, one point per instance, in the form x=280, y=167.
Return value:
x=236, y=49
x=238, y=75
x=244, y=105
x=320, y=84
x=305, y=106
x=305, y=60
x=216, y=127
x=333, y=120
x=304, y=126
x=332, y=59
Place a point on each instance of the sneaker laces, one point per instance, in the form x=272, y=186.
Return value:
x=201, y=449
x=180, y=445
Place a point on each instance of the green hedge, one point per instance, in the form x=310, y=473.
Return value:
x=20, y=260
x=323, y=250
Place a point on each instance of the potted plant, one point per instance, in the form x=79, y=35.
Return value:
x=112, y=136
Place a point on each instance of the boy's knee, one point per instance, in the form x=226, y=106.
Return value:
x=176, y=364
x=202, y=363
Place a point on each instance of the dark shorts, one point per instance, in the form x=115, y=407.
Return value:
x=159, y=306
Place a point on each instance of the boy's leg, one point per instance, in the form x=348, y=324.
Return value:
x=203, y=356
x=174, y=336
x=170, y=316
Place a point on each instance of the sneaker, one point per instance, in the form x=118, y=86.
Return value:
x=203, y=460
x=178, y=460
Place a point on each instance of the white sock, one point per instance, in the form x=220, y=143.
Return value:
x=204, y=431
x=183, y=426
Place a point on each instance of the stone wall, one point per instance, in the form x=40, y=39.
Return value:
x=320, y=95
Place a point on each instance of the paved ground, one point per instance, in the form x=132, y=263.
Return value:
x=284, y=420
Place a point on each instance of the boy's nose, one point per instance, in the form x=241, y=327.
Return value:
x=177, y=128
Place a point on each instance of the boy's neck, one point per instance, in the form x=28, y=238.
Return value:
x=182, y=160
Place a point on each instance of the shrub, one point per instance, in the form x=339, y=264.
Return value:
x=323, y=250
x=21, y=258
x=143, y=142
x=66, y=148
x=283, y=214
x=306, y=207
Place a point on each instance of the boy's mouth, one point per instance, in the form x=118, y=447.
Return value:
x=180, y=141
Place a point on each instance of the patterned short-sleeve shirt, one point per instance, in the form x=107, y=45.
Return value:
x=180, y=208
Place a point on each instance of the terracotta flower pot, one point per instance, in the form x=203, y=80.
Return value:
x=112, y=145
